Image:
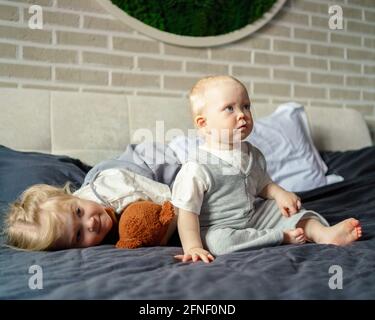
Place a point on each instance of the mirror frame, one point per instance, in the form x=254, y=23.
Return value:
x=188, y=41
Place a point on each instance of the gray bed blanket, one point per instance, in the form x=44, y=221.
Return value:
x=155, y=161
x=306, y=271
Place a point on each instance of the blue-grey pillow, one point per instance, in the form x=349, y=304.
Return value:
x=19, y=170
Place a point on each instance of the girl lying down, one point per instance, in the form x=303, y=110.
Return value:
x=50, y=218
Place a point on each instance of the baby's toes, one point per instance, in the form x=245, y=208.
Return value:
x=359, y=232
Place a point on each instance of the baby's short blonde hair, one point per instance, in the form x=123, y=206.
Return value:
x=197, y=93
x=23, y=226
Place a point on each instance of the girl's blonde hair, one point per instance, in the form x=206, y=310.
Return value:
x=197, y=93
x=23, y=226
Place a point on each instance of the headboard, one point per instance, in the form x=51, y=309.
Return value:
x=94, y=127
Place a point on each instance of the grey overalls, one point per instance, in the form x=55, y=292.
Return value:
x=232, y=217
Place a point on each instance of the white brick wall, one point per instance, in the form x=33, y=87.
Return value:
x=296, y=56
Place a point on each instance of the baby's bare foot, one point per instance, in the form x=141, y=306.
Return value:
x=342, y=233
x=295, y=236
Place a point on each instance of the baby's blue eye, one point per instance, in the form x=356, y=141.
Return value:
x=247, y=107
x=229, y=108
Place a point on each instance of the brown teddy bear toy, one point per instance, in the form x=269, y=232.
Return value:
x=145, y=223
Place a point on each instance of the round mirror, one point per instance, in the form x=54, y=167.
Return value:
x=194, y=23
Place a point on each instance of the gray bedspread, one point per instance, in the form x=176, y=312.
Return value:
x=285, y=272
x=282, y=272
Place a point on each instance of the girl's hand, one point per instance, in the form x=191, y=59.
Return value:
x=288, y=202
x=196, y=254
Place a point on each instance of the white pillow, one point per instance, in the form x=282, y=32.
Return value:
x=284, y=138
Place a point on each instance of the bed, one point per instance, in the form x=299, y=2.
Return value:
x=52, y=137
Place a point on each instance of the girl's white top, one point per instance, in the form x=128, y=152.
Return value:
x=120, y=187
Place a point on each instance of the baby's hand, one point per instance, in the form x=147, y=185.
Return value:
x=288, y=202
x=196, y=254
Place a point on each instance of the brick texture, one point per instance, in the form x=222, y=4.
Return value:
x=296, y=56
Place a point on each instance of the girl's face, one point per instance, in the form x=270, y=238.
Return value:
x=85, y=223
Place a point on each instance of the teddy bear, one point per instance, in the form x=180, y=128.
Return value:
x=146, y=223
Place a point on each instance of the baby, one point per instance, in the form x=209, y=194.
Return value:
x=51, y=218
x=217, y=193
